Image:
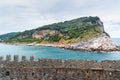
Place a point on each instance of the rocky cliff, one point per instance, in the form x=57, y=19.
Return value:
x=100, y=43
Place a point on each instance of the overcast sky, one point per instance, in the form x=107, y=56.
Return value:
x=20, y=15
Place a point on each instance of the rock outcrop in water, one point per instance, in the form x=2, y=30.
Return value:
x=99, y=44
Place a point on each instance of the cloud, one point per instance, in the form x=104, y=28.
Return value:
x=19, y=15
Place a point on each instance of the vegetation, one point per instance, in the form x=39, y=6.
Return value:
x=72, y=31
x=8, y=35
x=54, y=38
x=24, y=40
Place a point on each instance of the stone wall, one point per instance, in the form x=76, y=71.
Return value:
x=55, y=69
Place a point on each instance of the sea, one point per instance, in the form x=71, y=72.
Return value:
x=56, y=53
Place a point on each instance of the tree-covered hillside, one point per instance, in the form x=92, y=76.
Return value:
x=68, y=31
x=8, y=35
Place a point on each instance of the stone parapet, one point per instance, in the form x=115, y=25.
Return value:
x=56, y=69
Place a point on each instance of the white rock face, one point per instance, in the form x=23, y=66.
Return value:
x=101, y=42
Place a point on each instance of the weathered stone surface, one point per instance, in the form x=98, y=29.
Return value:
x=44, y=33
x=55, y=69
x=99, y=44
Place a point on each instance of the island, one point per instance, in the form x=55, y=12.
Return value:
x=83, y=34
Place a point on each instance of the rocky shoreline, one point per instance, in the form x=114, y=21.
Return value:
x=101, y=43
x=72, y=48
x=94, y=50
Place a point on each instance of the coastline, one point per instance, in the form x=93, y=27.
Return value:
x=38, y=44
x=67, y=47
x=101, y=43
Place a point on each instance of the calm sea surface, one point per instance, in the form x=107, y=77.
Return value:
x=56, y=53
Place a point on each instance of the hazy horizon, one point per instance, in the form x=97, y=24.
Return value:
x=20, y=15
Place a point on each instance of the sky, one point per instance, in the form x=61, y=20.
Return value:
x=20, y=15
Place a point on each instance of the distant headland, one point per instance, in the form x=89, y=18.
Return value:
x=84, y=34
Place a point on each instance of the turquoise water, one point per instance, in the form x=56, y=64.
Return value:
x=55, y=53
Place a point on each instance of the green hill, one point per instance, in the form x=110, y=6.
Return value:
x=8, y=35
x=68, y=31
